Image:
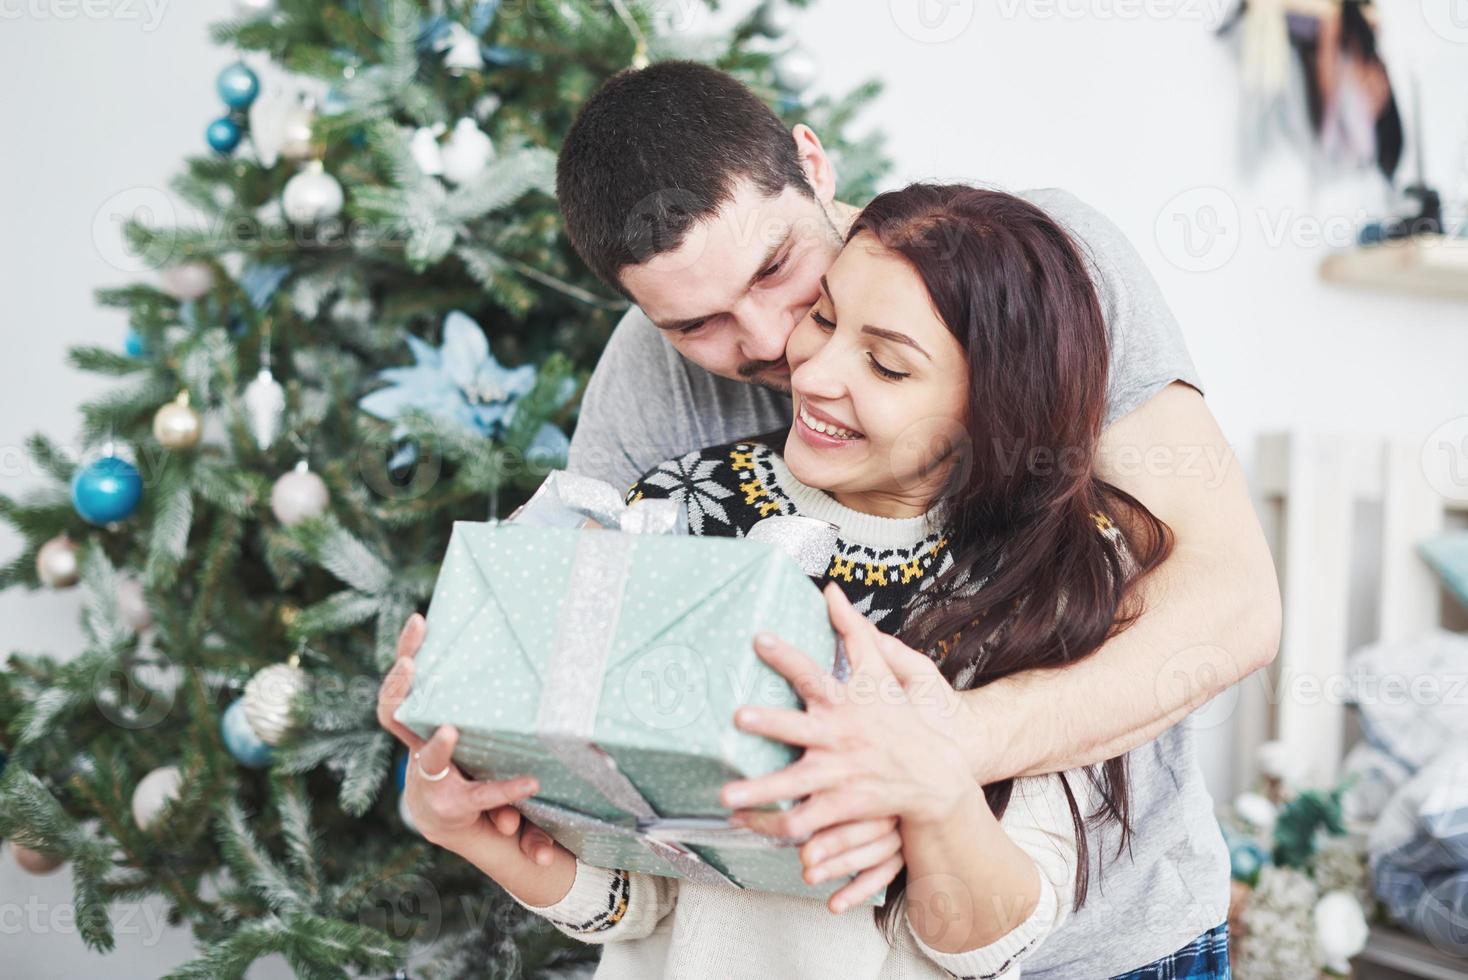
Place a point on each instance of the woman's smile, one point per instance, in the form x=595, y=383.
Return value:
x=821, y=431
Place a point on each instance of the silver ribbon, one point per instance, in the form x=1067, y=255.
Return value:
x=566, y=722
x=566, y=826
x=568, y=500
x=806, y=539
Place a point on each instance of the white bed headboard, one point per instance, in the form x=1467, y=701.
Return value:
x=1326, y=501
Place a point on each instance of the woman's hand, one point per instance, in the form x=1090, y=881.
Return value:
x=873, y=753
x=450, y=808
x=446, y=809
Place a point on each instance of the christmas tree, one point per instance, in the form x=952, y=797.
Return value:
x=376, y=328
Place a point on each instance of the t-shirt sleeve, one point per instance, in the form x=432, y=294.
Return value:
x=1147, y=348
x=645, y=404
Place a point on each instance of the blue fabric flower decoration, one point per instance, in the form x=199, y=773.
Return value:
x=460, y=384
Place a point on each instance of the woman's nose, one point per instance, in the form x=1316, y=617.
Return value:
x=819, y=375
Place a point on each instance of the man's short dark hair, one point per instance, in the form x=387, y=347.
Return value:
x=656, y=150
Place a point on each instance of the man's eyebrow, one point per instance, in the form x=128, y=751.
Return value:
x=769, y=258
x=897, y=338
x=677, y=325
x=765, y=263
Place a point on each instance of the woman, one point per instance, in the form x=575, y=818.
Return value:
x=949, y=392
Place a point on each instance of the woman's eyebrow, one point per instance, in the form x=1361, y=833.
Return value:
x=895, y=337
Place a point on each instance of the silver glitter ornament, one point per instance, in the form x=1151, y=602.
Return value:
x=298, y=496
x=268, y=699
x=264, y=401
x=312, y=195
x=796, y=70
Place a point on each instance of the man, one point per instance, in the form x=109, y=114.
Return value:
x=681, y=190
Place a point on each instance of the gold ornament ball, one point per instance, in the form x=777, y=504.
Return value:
x=35, y=862
x=288, y=613
x=177, y=425
x=57, y=564
x=295, y=134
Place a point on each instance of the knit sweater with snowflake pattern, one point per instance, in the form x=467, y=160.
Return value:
x=881, y=563
x=662, y=927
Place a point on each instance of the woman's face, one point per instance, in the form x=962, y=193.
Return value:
x=879, y=386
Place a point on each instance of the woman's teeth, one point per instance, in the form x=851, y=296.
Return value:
x=834, y=431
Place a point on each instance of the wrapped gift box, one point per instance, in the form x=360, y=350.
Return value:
x=608, y=665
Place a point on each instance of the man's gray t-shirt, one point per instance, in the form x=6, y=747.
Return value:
x=646, y=404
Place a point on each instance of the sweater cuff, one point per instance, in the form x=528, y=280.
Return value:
x=596, y=902
x=1004, y=954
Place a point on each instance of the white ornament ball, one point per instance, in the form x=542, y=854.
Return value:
x=268, y=699
x=156, y=790
x=796, y=70
x=467, y=152
x=57, y=564
x=1341, y=930
x=187, y=280
x=426, y=151
x=177, y=425
x=298, y=496
x=295, y=133
x=264, y=401
x=35, y=862
x=1256, y=810
x=312, y=195
x=132, y=604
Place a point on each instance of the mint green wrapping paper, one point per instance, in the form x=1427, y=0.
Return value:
x=608, y=665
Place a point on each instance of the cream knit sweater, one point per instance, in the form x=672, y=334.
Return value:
x=663, y=927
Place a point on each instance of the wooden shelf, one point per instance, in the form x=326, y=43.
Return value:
x=1428, y=265
x=1406, y=955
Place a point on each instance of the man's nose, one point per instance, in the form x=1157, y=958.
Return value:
x=764, y=339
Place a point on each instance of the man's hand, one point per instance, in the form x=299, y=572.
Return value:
x=451, y=804
x=873, y=755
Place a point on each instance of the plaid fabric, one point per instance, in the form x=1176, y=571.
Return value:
x=1205, y=958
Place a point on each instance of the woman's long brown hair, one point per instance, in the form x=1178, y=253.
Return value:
x=1045, y=554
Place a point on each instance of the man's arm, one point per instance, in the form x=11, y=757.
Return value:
x=1211, y=616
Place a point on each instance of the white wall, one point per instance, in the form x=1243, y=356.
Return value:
x=1129, y=112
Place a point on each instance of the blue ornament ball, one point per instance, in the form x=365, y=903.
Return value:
x=106, y=490
x=224, y=134
x=238, y=85
x=1245, y=860
x=248, y=749
x=133, y=346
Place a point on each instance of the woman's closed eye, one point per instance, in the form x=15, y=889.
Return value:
x=881, y=370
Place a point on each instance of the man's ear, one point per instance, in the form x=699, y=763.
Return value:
x=815, y=162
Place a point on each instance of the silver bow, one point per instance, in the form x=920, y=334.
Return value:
x=568, y=500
